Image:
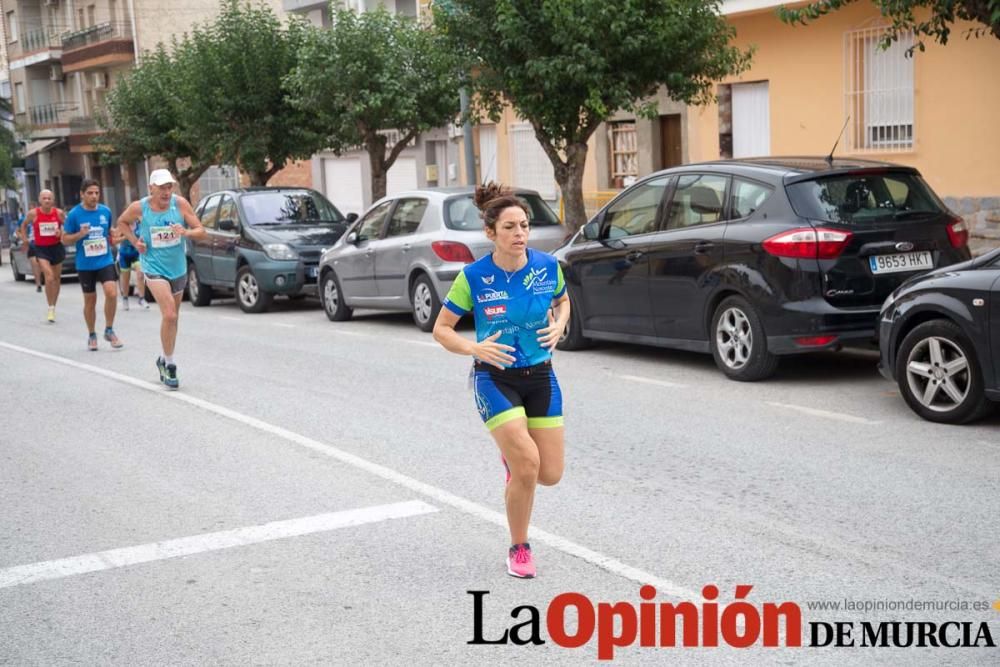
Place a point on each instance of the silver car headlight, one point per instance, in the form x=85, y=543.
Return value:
x=279, y=251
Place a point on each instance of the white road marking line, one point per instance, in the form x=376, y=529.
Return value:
x=603, y=561
x=283, y=324
x=660, y=383
x=839, y=416
x=196, y=544
x=231, y=318
x=416, y=342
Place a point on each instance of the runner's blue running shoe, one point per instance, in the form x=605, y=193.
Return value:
x=171, y=379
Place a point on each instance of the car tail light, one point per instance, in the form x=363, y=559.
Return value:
x=808, y=243
x=815, y=341
x=958, y=232
x=451, y=251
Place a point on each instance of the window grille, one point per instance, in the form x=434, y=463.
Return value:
x=624, y=151
x=878, y=92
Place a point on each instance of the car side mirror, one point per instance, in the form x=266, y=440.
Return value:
x=592, y=230
x=228, y=225
x=351, y=217
x=352, y=238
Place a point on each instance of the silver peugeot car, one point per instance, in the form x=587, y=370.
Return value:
x=406, y=250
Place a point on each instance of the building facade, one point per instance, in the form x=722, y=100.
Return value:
x=933, y=110
x=63, y=58
x=434, y=159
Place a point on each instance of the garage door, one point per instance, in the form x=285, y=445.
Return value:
x=342, y=180
x=532, y=168
x=402, y=175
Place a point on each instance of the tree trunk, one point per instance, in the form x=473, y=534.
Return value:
x=258, y=177
x=375, y=145
x=569, y=176
x=187, y=177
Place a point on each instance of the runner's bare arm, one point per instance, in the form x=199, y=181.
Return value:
x=487, y=350
x=125, y=221
x=73, y=237
x=558, y=317
x=194, y=228
x=29, y=219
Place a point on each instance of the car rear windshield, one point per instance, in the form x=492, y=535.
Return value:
x=289, y=208
x=461, y=213
x=863, y=197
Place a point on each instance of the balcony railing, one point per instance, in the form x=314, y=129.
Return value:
x=40, y=38
x=95, y=34
x=55, y=113
x=84, y=125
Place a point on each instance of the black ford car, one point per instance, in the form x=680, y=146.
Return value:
x=940, y=340
x=261, y=242
x=753, y=259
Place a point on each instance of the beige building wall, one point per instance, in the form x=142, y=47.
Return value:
x=956, y=98
x=157, y=22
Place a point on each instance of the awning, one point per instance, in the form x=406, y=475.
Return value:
x=40, y=145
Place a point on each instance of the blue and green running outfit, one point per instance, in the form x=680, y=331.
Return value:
x=517, y=305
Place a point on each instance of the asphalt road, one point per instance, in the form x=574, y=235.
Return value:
x=321, y=493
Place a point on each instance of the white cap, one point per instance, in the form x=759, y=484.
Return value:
x=161, y=177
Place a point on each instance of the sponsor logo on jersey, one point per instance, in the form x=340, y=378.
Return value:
x=534, y=276
x=493, y=312
x=492, y=295
x=488, y=280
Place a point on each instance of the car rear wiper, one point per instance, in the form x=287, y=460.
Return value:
x=268, y=224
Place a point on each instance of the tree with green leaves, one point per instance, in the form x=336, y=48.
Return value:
x=234, y=90
x=940, y=16
x=374, y=72
x=9, y=148
x=145, y=117
x=566, y=67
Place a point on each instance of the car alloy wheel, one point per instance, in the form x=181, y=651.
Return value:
x=938, y=373
x=734, y=338
x=331, y=295
x=192, y=285
x=422, y=302
x=333, y=298
x=425, y=303
x=249, y=290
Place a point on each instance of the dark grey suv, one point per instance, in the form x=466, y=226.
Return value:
x=261, y=242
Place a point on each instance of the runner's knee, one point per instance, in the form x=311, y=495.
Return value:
x=550, y=475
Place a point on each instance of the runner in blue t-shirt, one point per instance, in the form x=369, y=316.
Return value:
x=518, y=298
x=88, y=225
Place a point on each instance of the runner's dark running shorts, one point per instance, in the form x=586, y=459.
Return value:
x=31, y=250
x=54, y=254
x=532, y=392
x=89, y=279
x=177, y=285
x=126, y=259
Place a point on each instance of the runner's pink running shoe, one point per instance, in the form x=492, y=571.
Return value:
x=519, y=561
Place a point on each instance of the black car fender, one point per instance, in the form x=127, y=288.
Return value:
x=918, y=307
